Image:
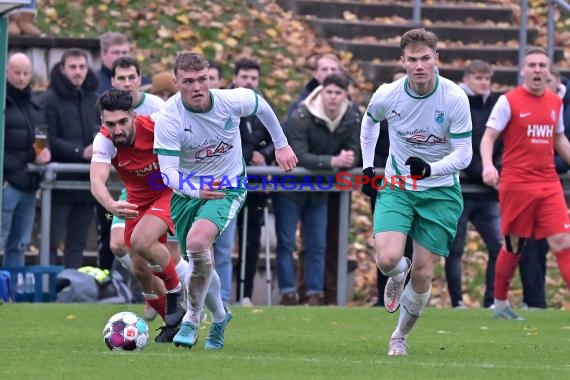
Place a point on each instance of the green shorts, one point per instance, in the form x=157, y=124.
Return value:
x=118, y=222
x=429, y=217
x=185, y=211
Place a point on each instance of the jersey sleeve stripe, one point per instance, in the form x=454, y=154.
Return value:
x=373, y=119
x=167, y=152
x=256, y=104
x=460, y=135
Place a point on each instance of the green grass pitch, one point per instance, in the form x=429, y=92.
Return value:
x=63, y=341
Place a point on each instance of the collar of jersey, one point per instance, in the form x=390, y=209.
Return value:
x=141, y=101
x=408, y=91
x=190, y=109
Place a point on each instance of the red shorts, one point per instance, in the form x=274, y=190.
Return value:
x=160, y=208
x=534, y=213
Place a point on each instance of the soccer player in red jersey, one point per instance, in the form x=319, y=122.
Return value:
x=126, y=142
x=530, y=194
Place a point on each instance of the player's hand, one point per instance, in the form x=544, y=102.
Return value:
x=418, y=167
x=124, y=210
x=490, y=176
x=370, y=188
x=213, y=191
x=286, y=158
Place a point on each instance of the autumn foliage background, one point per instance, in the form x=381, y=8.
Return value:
x=225, y=30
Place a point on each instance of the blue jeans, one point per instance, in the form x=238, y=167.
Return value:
x=223, y=249
x=485, y=216
x=18, y=213
x=313, y=213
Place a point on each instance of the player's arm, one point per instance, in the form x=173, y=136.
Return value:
x=562, y=146
x=99, y=172
x=369, y=132
x=180, y=182
x=284, y=155
x=561, y=143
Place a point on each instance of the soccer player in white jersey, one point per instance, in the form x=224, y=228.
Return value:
x=197, y=140
x=429, y=126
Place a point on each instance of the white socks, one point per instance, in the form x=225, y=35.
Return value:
x=411, y=306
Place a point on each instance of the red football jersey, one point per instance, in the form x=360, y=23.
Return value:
x=528, y=138
x=137, y=165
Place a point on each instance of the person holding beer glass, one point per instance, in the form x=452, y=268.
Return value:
x=25, y=142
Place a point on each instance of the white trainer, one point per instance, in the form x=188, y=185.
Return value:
x=394, y=289
x=397, y=347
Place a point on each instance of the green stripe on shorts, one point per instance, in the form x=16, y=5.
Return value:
x=429, y=217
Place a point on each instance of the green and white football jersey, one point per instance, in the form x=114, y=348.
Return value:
x=208, y=143
x=421, y=126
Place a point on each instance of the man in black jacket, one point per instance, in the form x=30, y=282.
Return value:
x=258, y=150
x=22, y=116
x=71, y=115
x=482, y=208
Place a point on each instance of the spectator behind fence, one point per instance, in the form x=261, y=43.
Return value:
x=23, y=122
x=112, y=45
x=324, y=133
x=258, y=150
x=72, y=120
x=481, y=208
x=325, y=64
x=531, y=197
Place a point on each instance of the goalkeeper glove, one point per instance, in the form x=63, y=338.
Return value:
x=418, y=167
x=370, y=188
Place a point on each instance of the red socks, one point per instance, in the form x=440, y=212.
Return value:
x=563, y=260
x=158, y=304
x=505, y=269
x=169, y=276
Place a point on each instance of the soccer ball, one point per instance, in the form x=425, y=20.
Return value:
x=125, y=331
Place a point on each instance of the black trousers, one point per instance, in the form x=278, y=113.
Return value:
x=532, y=269
x=103, y=220
x=70, y=222
x=255, y=202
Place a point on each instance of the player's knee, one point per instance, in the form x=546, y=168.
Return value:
x=140, y=243
x=118, y=247
x=197, y=243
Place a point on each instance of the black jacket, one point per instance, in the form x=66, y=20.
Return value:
x=23, y=113
x=255, y=137
x=72, y=119
x=480, y=112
